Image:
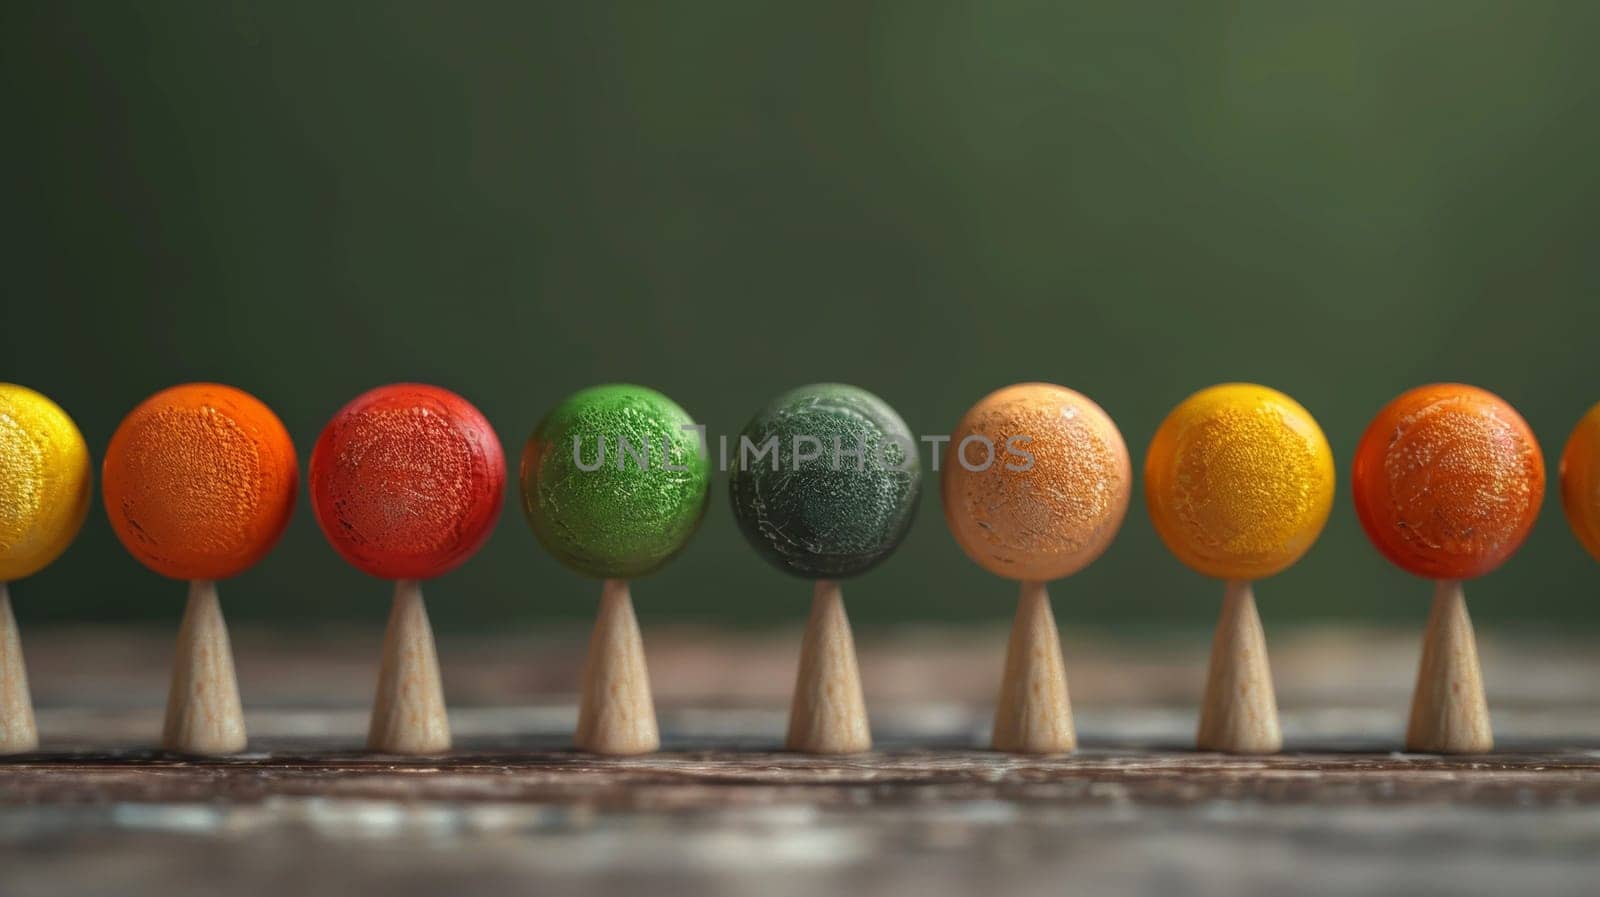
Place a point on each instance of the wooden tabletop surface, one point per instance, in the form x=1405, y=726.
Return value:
x=720, y=811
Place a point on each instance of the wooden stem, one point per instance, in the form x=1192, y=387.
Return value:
x=1034, y=715
x=408, y=714
x=1448, y=712
x=828, y=714
x=616, y=715
x=203, y=712
x=18, y=735
x=1240, y=712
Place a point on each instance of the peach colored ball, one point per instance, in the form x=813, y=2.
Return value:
x=1053, y=518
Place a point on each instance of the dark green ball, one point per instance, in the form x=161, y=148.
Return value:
x=820, y=519
x=609, y=522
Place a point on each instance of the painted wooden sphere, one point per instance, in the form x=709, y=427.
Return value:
x=1239, y=481
x=1036, y=481
x=614, y=481
x=1448, y=481
x=199, y=481
x=839, y=490
x=1580, y=481
x=407, y=481
x=45, y=481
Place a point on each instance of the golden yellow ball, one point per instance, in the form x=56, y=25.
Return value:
x=1239, y=481
x=44, y=481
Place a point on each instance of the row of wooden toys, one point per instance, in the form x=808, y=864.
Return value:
x=407, y=482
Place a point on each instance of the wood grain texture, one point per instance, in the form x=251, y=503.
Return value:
x=1034, y=712
x=204, y=715
x=408, y=713
x=616, y=713
x=828, y=714
x=1239, y=713
x=18, y=733
x=1449, y=714
x=713, y=778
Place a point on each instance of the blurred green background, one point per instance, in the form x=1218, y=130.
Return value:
x=727, y=198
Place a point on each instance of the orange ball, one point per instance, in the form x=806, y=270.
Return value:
x=1580, y=481
x=1448, y=481
x=199, y=481
x=1056, y=514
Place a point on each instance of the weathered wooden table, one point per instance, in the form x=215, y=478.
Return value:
x=720, y=812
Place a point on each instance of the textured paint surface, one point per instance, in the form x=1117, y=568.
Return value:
x=199, y=481
x=609, y=522
x=1055, y=518
x=1239, y=481
x=407, y=481
x=809, y=518
x=44, y=481
x=1448, y=480
x=1580, y=481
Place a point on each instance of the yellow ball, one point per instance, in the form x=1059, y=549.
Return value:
x=1580, y=481
x=44, y=481
x=1239, y=481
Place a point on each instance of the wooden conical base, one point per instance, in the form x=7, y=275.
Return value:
x=1448, y=712
x=616, y=715
x=828, y=714
x=1034, y=715
x=408, y=714
x=18, y=735
x=1240, y=712
x=203, y=712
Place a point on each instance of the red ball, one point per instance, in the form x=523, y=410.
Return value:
x=407, y=481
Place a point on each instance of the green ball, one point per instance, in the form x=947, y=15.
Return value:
x=833, y=516
x=618, y=520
